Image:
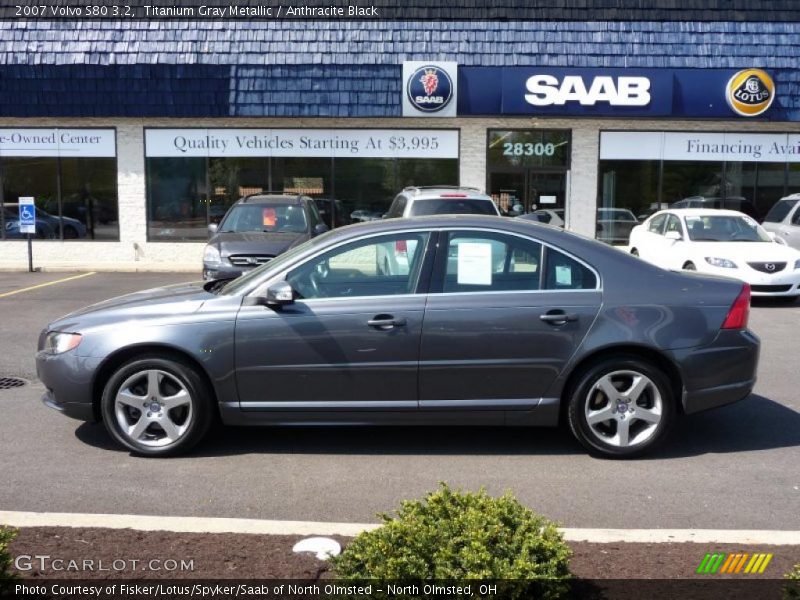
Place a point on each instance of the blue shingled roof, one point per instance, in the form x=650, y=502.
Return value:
x=266, y=68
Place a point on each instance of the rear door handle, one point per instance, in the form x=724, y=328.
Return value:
x=386, y=322
x=558, y=317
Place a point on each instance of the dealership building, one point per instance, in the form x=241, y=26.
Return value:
x=133, y=137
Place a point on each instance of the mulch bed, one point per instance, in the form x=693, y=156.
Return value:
x=244, y=556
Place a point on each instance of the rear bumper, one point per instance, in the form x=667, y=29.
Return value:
x=721, y=373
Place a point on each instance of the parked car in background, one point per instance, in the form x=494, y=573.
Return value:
x=364, y=216
x=256, y=229
x=417, y=201
x=614, y=225
x=562, y=329
x=44, y=228
x=73, y=229
x=548, y=216
x=737, y=203
x=721, y=242
x=783, y=220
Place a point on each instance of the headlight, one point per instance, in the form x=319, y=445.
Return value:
x=720, y=262
x=211, y=255
x=58, y=342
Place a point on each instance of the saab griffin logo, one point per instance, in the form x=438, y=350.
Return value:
x=429, y=89
x=750, y=92
x=742, y=563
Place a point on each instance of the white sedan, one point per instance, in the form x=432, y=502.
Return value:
x=722, y=242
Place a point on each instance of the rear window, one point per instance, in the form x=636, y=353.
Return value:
x=778, y=212
x=453, y=206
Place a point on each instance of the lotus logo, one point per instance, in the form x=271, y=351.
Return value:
x=750, y=92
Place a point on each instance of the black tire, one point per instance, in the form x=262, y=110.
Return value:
x=70, y=233
x=634, y=251
x=689, y=266
x=577, y=399
x=202, y=405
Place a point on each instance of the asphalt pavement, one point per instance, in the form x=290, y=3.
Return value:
x=732, y=468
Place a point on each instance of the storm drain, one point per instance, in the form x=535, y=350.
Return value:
x=7, y=383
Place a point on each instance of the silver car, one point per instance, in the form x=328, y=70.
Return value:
x=559, y=328
x=783, y=220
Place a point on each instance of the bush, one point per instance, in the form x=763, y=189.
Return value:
x=6, y=536
x=792, y=589
x=451, y=535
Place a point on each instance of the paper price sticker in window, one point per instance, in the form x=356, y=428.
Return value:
x=474, y=263
x=269, y=217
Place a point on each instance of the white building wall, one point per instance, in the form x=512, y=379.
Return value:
x=134, y=252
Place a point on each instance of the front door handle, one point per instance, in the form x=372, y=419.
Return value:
x=558, y=317
x=386, y=322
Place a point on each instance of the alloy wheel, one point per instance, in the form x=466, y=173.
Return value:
x=153, y=408
x=624, y=408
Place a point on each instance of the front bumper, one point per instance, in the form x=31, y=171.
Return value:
x=69, y=380
x=223, y=271
x=721, y=373
x=783, y=283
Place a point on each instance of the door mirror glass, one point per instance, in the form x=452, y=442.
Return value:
x=212, y=228
x=279, y=294
x=320, y=228
x=675, y=236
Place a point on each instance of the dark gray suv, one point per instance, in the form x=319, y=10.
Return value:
x=257, y=229
x=489, y=322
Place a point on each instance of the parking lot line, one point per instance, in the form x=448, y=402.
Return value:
x=270, y=527
x=41, y=285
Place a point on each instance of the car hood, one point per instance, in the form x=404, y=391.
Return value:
x=747, y=251
x=255, y=242
x=179, y=299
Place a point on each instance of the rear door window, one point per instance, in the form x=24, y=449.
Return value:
x=563, y=272
x=452, y=206
x=656, y=224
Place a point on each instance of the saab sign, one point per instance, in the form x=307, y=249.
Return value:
x=618, y=92
x=429, y=89
x=549, y=90
x=590, y=92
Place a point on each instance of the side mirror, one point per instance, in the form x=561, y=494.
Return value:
x=320, y=228
x=675, y=236
x=279, y=294
x=777, y=239
x=212, y=228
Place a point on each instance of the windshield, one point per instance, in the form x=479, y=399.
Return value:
x=453, y=206
x=244, y=218
x=778, y=212
x=240, y=283
x=610, y=214
x=725, y=228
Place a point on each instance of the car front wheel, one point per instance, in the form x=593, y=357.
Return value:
x=621, y=407
x=156, y=406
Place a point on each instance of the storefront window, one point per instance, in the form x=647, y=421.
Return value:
x=648, y=171
x=176, y=192
x=72, y=177
x=345, y=188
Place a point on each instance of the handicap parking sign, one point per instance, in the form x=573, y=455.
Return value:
x=27, y=215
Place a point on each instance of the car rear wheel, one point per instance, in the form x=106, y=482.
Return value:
x=689, y=266
x=156, y=406
x=621, y=407
x=634, y=251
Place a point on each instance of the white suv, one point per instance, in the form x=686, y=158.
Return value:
x=441, y=200
x=394, y=259
x=783, y=220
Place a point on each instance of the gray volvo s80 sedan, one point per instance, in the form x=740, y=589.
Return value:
x=481, y=321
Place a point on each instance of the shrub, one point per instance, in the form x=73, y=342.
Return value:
x=451, y=535
x=6, y=536
x=792, y=589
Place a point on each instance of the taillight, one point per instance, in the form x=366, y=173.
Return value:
x=739, y=311
x=452, y=195
x=400, y=246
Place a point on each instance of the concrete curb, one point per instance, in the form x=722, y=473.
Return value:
x=269, y=527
